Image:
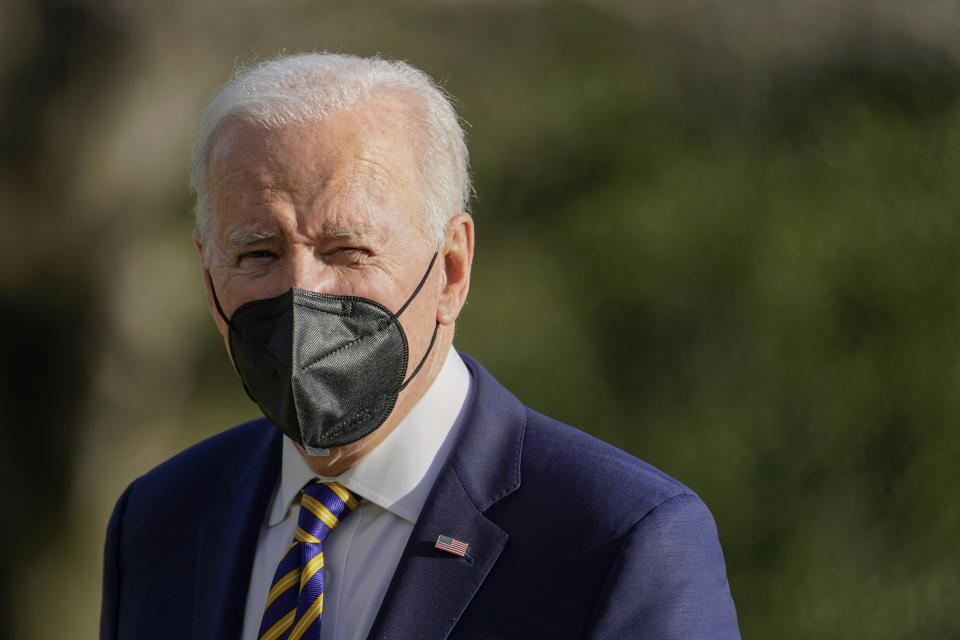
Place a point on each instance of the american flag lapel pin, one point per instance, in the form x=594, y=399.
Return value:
x=451, y=545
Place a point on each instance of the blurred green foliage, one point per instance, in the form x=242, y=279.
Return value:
x=721, y=238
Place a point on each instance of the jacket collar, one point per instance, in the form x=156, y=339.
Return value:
x=431, y=588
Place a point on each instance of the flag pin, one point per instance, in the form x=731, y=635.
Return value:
x=451, y=545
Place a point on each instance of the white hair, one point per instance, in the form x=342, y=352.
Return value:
x=308, y=88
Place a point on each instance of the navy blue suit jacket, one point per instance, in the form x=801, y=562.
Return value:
x=569, y=538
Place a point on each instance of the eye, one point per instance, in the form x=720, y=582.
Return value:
x=256, y=254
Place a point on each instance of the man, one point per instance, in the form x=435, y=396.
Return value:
x=336, y=248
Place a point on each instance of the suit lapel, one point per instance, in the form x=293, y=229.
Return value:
x=431, y=588
x=226, y=541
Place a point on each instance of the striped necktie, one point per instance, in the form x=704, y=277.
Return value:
x=295, y=601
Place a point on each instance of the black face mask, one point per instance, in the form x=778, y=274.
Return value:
x=325, y=369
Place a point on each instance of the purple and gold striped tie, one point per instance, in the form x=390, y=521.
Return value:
x=295, y=601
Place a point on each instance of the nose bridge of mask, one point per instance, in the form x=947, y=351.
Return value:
x=423, y=281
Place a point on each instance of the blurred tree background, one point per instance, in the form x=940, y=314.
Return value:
x=722, y=236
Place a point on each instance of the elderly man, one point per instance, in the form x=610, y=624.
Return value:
x=394, y=489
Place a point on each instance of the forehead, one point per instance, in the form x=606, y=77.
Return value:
x=356, y=169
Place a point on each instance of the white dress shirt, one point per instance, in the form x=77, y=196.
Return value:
x=361, y=554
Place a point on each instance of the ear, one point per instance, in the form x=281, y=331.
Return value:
x=457, y=255
x=205, y=271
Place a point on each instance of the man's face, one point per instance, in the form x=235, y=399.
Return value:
x=335, y=208
x=332, y=208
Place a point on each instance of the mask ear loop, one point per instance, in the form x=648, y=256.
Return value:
x=423, y=359
x=423, y=281
x=216, y=301
x=436, y=325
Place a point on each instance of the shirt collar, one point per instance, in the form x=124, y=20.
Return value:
x=398, y=474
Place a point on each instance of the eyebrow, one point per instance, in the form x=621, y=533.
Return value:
x=339, y=233
x=247, y=238
x=241, y=238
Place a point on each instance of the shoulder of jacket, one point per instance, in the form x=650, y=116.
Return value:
x=582, y=464
x=209, y=461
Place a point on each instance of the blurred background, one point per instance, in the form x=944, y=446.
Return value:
x=722, y=236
